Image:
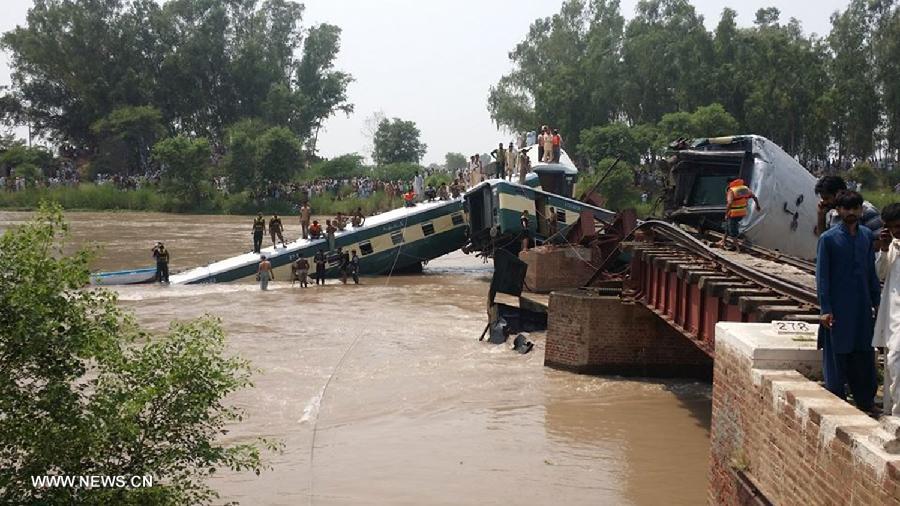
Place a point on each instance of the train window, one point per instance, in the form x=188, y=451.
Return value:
x=428, y=229
x=560, y=216
x=334, y=259
x=397, y=237
x=457, y=219
x=365, y=248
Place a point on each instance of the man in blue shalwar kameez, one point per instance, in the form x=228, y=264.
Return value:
x=848, y=291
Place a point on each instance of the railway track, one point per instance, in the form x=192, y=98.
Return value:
x=693, y=285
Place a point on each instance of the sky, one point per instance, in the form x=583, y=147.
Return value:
x=433, y=61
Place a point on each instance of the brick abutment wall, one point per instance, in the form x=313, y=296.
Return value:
x=779, y=435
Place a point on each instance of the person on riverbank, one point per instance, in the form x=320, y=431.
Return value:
x=354, y=267
x=887, y=322
x=315, y=230
x=305, y=214
x=161, y=254
x=264, y=273
x=319, y=260
x=259, y=228
x=276, y=229
x=358, y=219
x=300, y=272
x=499, y=155
x=848, y=290
x=330, y=230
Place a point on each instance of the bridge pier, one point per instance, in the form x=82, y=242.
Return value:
x=594, y=333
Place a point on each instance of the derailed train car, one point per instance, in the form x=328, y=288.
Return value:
x=699, y=176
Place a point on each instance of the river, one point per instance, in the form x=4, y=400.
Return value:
x=382, y=394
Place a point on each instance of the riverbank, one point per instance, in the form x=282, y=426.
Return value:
x=90, y=197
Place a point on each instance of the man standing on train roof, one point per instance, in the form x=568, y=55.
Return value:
x=259, y=228
x=827, y=217
x=305, y=214
x=848, y=291
x=524, y=165
x=887, y=322
x=511, y=161
x=418, y=186
x=319, y=260
x=358, y=219
x=737, y=197
x=162, y=263
x=275, y=230
x=499, y=155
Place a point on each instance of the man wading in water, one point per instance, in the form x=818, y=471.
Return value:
x=264, y=273
x=319, y=260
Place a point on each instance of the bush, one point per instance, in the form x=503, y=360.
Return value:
x=398, y=171
x=864, y=173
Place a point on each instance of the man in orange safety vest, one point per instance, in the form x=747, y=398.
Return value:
x=737, y=196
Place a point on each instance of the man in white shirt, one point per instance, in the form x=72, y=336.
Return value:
x=887, y=324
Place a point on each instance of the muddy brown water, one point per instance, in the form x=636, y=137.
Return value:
x=382, y=394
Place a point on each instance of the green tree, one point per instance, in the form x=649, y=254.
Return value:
x=713, y=121
x=453, y=161
x=280, y=155
x=85, y=391
x=344, y=166
x=242, y=161
x=397, y=141
x=126, y=138
x=610, y=141
x=855, y=101
x=886, y=46
x=184, y=163
x=204, y=64
x=675, y=125
x=398, y=171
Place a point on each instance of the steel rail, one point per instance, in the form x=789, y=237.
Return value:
x=675, y=234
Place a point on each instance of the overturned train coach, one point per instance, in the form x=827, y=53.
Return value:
x=495, y=207
x=699, y=177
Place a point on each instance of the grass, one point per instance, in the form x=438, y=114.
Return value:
x=90, y=197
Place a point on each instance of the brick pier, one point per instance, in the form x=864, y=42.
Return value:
x=599, y=334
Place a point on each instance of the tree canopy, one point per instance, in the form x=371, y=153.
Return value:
x=86, y=71
x=585, y=67
x=397, y=141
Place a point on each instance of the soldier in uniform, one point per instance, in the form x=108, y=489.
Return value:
x=275, y=230
x=259, y=228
